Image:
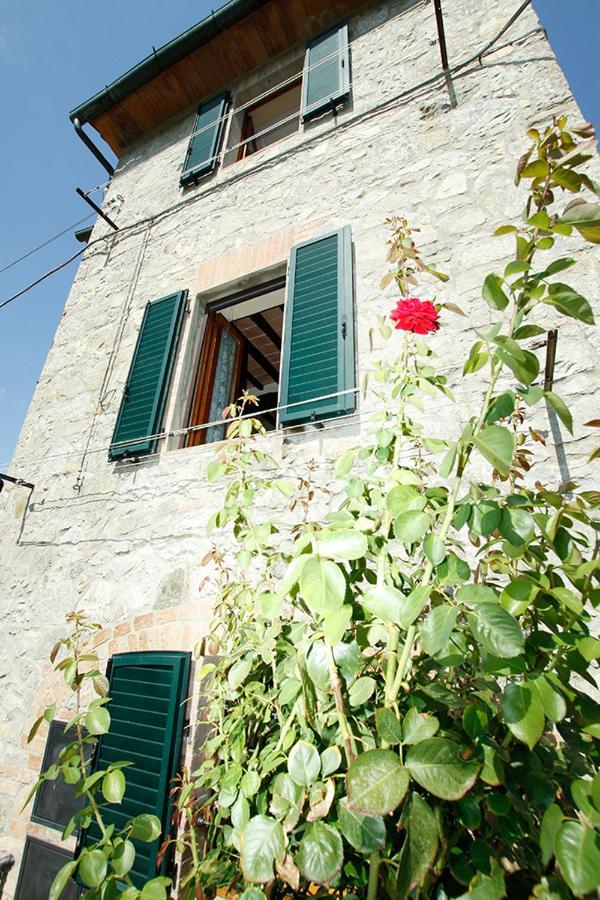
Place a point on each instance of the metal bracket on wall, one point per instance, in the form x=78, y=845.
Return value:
x=96, y=208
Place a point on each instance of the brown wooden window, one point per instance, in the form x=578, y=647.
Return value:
x=241, y=350
x=271, y=120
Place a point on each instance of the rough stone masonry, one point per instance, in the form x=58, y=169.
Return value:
x=126, y=541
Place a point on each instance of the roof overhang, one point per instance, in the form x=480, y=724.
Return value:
x=234, y=39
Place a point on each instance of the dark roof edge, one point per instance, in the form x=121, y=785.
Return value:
x=167, y=55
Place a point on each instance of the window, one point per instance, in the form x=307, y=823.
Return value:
x=147, y=710
x=241, y=351
x=277, y=112
x=299, y=357
x=271, y=120
x=290, y=341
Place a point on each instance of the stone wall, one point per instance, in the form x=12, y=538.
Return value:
x=127, y=541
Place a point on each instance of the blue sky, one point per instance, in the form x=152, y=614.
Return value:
x=56, y=54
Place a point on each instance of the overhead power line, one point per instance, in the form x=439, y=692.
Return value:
x=45, y=243
x=428, y=82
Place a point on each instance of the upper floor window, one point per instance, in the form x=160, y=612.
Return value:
x=289, y=341
x=323, y=85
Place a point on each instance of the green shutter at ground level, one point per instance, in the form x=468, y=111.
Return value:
x=147, y=709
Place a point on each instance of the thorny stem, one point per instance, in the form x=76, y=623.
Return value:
x=349, y=742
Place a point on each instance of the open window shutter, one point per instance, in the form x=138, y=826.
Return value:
x=318, y=350
x=326, y=78
x=147, y=709
x=143, y=403
x=205, y=143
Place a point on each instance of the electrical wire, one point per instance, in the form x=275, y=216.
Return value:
x=439, y=76
x=45, y=243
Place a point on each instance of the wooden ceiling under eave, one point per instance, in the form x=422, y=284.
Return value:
x=258, y=37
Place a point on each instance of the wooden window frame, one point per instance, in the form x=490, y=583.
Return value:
x=248, y=126
x=204, y=382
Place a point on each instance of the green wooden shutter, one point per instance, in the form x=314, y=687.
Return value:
x=143, y=404
x=318, y=350
x=326, y=78
x=205, y=143
x=147, y=709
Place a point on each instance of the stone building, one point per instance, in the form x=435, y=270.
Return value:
x=248, y=250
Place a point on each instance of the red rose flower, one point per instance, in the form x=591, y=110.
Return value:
x=419, y=316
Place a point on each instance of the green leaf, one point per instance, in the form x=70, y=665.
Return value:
x=505, y=229
x=486, y=887
x=551, y=822
x=322, y=584
x=420, y=845
x=215, y=470
x=361, y=691
x=97, y=721
x=263, y=842
x=516, y=266
x=411, y=526
x=437, y=627
x=317, y=665
x=402, y=498
x=517, y=595
x=553, y=702
x=365, y=833
x=492, y=292
x=155, y=889
x=270, y=604
x=471, y=594
x=388, y=726
x=586, y=215
x=343, y=544
x=251, y=894
x=336, y=622
x=413, y=605
x=527, y=331
x=578, y=854
x=250, y=783
x=344, y=464
x=536, y=169
x=517, y=526
x=418, y=726
x=569, y=302
x=474, y=720
x=320, y=854
x=240, y=812
x=145, y=828
x=238, y=673
x=92, y=868
x=438, y=767
x=477, y=358
x=384, y=602
x=113, y=786
x=61, y=879
x=497, y=445
x=304, y=763
x=523, y=712
x=496, y=630
x=561, y=409
x=434, y=548
x=123, y=858
x=331, y=759
x=501, y=407
x=522, y=363
x=376, y=782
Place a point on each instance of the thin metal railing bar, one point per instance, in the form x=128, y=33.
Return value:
x=265, y=95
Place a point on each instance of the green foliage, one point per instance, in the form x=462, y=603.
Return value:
x=102, y=868
x=401, y=706
x=399, y=672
